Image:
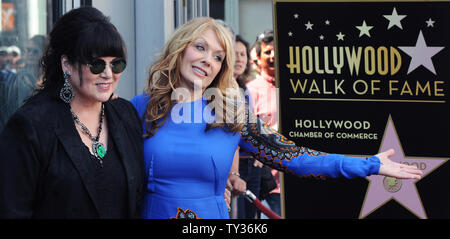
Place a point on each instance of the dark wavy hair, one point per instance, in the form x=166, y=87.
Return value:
x=82, y=35
x=266, y=37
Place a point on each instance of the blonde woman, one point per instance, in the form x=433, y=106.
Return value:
x=193, y=121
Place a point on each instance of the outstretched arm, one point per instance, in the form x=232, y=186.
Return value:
x=276, y=151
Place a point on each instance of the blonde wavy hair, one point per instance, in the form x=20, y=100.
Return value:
x=165, y=76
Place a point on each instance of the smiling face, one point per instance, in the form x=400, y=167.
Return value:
x=201, y=61
x=93, y=88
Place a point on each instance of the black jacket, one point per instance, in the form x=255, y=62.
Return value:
x=42, y=172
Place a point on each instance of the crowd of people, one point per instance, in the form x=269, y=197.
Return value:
x=72, y=150
x=257, y=77
x=20, y=73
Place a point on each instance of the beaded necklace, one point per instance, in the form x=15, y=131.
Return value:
x=97, y=147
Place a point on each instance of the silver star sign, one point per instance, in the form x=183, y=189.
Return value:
x=364, y=29
x=394, y=19
x=309, y=25
x=421, y=54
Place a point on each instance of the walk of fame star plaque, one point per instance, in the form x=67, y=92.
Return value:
x=358, y=78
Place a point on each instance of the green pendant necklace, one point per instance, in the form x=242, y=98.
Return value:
x=98, y=148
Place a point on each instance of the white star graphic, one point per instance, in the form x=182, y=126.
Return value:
x=321, y=37
x=309, y=25
x=340, y=36
x=421, y=54
x=296, y=16
x=364, y=29
x=327, y=22
x=290, y=34
x=394, y=19
x=430, y=23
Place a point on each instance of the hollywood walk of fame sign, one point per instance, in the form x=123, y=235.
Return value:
x=357, y=78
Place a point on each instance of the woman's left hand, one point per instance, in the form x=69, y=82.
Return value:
x=397, y=170
x=237, y=186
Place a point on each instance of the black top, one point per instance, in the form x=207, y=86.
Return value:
x=45, y=173
x=110, y=183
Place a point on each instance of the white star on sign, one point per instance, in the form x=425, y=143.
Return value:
x=421, y=54
x=394, y=19
x=309, y=26
x=340, y=36
x=430, y=23
x=364, y=29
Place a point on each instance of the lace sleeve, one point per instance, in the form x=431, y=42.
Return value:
x=278, y=152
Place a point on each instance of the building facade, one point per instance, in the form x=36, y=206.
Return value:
x=145, y=26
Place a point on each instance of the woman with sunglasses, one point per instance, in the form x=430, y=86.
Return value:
x=194, y=120
x=68, y=152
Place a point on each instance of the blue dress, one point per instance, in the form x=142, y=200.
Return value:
x=188, y=168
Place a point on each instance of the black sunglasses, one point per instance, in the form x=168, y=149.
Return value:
x=97, y=66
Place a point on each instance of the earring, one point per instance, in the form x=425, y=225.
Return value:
x=66, y=94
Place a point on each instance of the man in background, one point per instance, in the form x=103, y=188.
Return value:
x=263, y=94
